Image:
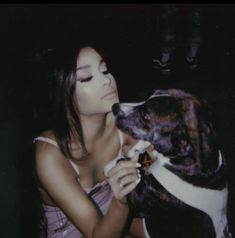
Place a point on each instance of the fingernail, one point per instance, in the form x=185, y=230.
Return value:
x=138, y=173
x=137, y=181
x=138, y=165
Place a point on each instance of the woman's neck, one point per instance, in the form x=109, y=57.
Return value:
x=94, y=127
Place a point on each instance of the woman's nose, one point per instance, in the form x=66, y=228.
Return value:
x=107, y=80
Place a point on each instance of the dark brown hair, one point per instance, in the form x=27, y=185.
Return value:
x=66, y=124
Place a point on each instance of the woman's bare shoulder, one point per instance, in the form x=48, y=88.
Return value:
x=46, y=144
x=46, y=148
x=49, y=158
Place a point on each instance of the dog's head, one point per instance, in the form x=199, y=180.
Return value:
x=176, y=123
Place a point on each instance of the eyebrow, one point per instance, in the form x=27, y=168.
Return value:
x=88, y=66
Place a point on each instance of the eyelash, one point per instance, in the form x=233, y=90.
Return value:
x=90, y=78
x=106, y=72
x=85, y=79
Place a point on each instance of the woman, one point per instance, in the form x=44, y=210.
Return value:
x=78, y=199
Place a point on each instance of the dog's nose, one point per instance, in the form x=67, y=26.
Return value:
x=115, y=108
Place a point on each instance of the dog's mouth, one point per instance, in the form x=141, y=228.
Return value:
x=122, y=125
x=121, y=120
x=116, y=110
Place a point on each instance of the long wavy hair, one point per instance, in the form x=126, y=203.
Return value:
x=66, y=124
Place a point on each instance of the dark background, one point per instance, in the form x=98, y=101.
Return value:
x=129, y=33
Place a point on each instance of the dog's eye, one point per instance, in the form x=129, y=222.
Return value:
x=144, y=116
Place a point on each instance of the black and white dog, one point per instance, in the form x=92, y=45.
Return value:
x=184, y=191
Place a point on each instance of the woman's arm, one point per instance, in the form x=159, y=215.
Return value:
x=60, y=181
x=124, y=174
x=136, y=228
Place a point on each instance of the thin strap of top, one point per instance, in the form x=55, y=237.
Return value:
x=47, y=140
x=52, y=142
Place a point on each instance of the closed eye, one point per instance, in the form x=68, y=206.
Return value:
x=106, y=72
x=83, y=80
x=87, y=79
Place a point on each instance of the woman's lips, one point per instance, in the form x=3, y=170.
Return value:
x=110, y=94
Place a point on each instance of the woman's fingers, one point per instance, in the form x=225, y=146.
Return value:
x=127, y=189
x=123, y=173
x=120, y=189
x=121, y=179
x=125, y=166
x=123, y=182
x=124, y=177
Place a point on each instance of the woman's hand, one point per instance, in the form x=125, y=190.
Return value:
x=124, y=177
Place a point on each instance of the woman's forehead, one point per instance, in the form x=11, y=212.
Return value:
x=88, y=55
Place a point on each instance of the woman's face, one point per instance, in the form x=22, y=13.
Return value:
x=96, y=89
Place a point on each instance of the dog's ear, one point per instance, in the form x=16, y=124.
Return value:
x=189, y=111
x=201, y=132
x=208, y=140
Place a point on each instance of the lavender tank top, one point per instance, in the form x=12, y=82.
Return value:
x=58, y=225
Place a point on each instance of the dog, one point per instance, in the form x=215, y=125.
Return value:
x=183, y=193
